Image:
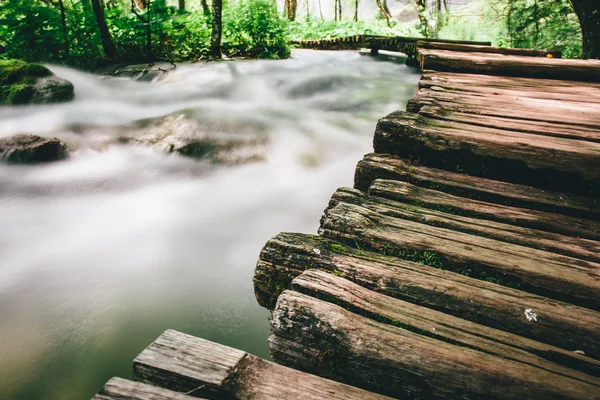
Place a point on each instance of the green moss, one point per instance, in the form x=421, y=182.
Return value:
x=15, y=71
x=338, y=248
x=19, y=93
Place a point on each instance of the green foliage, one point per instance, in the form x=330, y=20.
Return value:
x=319, y=29
x=32, y=30
x=544, y=25
x=254, y=28
x=526, y=24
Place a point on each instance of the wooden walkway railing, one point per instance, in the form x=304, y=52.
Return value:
x=464, y=263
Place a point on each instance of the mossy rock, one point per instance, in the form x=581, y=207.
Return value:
x=31, y=149
x=30, y=83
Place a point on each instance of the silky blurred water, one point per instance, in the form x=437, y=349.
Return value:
x=99, y=254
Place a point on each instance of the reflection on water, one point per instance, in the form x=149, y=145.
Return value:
x=101, y=253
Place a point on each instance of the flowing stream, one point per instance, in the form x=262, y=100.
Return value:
x=99, y=254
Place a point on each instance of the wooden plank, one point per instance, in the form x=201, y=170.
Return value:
x=122, y=389
x=403, y=200
x=535, y=160
x=535, y=271
x=314, y=335
x=567, y=115
x=379, y=166
x=288, y=255
x=520, y=217
x=510, y=65
x=487, y=49
x=424, y=321
x=512, y=87
x=514, y=124
x=184, y=363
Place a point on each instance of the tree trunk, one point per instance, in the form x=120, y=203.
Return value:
x=588, y=12
x=355, y=11
x=205, y=8
x=148, y=31
x=63, y=20
x=182, y=4
x=382, y=11
x=107, y=42
x=217, y=28
x=290, y=9
x=321, y=10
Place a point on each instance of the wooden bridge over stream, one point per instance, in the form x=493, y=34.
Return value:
x=464, y=263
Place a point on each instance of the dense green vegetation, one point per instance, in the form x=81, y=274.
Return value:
x=85, y=33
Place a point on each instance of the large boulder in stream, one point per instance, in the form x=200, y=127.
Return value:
x=179, y=133
x=30, y=83
x=31, y=149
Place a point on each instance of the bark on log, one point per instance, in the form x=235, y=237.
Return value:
x=388, y=310
x=122, y=389
x=313, y=335
x=288, y=255
x=378, y=166
x=184, y=363
x=535, y=160
x=487, y=49
x=535, y=271
x=498, y=64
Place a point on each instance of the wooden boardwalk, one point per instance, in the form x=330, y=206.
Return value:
x=464, y=263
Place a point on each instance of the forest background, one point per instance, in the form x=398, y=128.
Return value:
x=90, y=33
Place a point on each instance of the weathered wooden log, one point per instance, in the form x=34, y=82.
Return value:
x=197, y=367
x=470, y=48
x=288, y=255
x=406, y=204
x=379, y=166
x=427, y=322
x=317, y=336
x=535, y=271
x=544, y=128
x=520, y=217
x=570, y=119
x=498, y=64
x=122, y=389
x=534, y=160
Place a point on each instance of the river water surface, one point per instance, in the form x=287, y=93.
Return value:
x=99, y=254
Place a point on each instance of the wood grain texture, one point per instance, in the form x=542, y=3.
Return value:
x=122, y=389
x=198, y=367
x=535, y=160
x=509, y=65
x=288, y=255
x=472, y=48
x=381, y=166
x=532, y=270
x=477, y=209
x=427, y=322
x=321, y=337
x=446, y=216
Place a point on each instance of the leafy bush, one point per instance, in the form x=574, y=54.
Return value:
x=254, y=28
x=319, y=29
x=528, y=24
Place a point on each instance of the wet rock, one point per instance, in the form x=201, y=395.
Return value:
x=180, y=133
x=31, y=149
x=30, y=83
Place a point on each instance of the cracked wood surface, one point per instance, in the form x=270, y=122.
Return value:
x=198, y=367
x=566, y=326
x=321, y=337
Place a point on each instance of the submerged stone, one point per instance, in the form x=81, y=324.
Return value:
x=31, y=149
x=30, y=83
